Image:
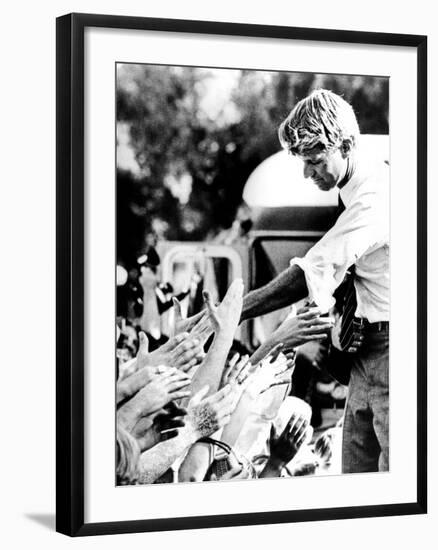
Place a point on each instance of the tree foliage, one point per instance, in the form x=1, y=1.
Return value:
x=195, y=145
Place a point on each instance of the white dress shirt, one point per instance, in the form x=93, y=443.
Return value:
x=360, y=236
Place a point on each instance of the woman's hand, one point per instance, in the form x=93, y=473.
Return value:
x=207, y=415
x=128, y=386
x=181, y=351
x=222, y=317
x=164, y=425
x=154, y=396
x=237, y=370
x=180, y=324
x=271, y=372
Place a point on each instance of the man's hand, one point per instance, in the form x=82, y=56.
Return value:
x=306, y=326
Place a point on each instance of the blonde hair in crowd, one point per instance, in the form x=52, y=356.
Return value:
x=323, y=120
x=128, y=455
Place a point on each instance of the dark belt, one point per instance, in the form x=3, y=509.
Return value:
x=379, y=326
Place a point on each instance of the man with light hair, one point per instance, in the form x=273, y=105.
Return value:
x=323, y=132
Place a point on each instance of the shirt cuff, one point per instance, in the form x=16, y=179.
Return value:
x=319, y=290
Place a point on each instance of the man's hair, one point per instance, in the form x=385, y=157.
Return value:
x=321, y=120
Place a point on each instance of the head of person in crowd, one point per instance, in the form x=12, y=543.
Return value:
x=322, y=130
x=170, y=401
x=127, y=342
x=149, y=259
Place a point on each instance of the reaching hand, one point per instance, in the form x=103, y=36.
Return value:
x=209, y=322
x=271, y=372
x=227, y=314
x=130, y=385
x=306, y=326
x=237, y=375
x=143, y=350
x=180, y=324
x=140, y=360
x=182, y=352
x=224, y=316
x=286, y=446
x=237, y=371
x=154, y=396
x=164, y=426
x=207, y=415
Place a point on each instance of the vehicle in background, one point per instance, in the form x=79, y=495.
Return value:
x=288, y=215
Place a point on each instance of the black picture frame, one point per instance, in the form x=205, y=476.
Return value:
x=70, y=272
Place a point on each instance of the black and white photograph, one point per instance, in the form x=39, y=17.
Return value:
x=253, y=274
x=216, y=275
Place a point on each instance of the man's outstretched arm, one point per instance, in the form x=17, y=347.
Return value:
x=286, y=289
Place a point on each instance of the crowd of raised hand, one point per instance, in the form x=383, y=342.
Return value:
x=193, y=410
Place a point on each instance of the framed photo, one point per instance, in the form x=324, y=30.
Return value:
x=217, y=187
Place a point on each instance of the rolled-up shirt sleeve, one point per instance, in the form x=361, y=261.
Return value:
x=360, y=228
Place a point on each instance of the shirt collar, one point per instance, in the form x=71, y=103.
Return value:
x=347, y=189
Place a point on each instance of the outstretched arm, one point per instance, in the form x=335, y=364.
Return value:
x=272, y=371
x=150, y=318
x=219, y=406
x=204, y=417
x=226, y=318
x=306, y=326
x=157, y=460
x=286, y=289
x=285, y=446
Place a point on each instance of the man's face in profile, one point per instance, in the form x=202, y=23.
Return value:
x=325, y=168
